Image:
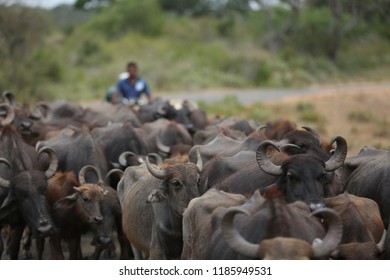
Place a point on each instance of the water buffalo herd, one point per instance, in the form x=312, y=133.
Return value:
x=167, y=181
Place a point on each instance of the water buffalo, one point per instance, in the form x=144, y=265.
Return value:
x=23, y=185
x=273, y=229
x=77, y=149
x=153, y=208
x=363, y=228
x=198, y=219
x=368, y=176
x=304, y=177
x=75, y=208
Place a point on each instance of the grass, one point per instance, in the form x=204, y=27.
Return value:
x=360, y=116
x=382, y=128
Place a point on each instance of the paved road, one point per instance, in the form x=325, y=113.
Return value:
x=247, y=96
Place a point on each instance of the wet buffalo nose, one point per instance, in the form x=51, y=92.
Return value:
x=316, y=205
x=44, y=227
x=98, y=220
x=104, y=240
x=26, y=124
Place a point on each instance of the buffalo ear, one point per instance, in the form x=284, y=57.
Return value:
x=66, y=202
x=157, y=195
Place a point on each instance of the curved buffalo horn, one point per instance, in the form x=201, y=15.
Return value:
x=159, y=174
x=3, y=182
x=199, y=162
x=233, y=238
x=260, y=128
x=313, y=132
x=10, y=97
x=36, y=114
x=161, y=146
x=285, y=146
x=115, y=171
x=38, y=145
x=124, y=156
x=339, y=155
x=264, y=162
x=157, y=158
x=89, y=168
x=43, y=108
x=381, y=244
x=333, y=236
x=51, y=170
x=162, y=110
x=10, y=114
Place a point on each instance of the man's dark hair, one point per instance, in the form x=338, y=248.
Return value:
x=132, y=64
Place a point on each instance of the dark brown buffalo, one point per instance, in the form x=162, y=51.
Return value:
x=276, y=130
x=153, y=208
x=75, y=208
x=112, y=220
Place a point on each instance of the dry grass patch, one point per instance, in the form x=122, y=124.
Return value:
x=361, y=117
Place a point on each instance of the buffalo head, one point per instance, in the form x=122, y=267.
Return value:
x=179, y=184
x=304, y=177
x=28, y=195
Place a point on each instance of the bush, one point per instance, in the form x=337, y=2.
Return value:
x=229, y=106
x=360, y=116
x=305, y=107
x=308, y=113
x=382, y=128
x=129, y=16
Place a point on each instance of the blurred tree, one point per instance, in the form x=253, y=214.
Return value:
x=144, y=16
x=218, y=8
x=92, y=4
x=22, y=35
x=278, y=31
x=346, y=16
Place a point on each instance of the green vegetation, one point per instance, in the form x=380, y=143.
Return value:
x=186, y=45
x=382, y=128
x=308, y=113
x=229, y=106
x=360, y=116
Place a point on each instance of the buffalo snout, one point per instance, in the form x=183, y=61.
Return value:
x=316, y=204
x=44, y=227
x=104, y=240
x=98, y=220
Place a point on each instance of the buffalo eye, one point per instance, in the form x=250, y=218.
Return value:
x=290, y=176
x=85, y=198
x=175, y=183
